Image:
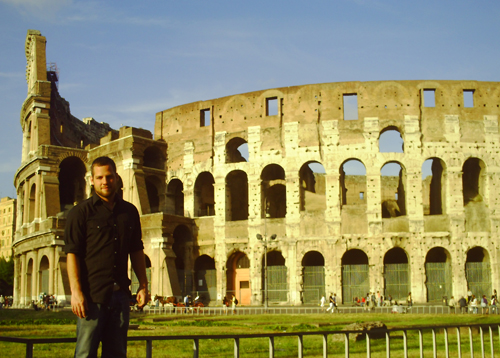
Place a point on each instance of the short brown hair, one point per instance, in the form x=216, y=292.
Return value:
x=103, y=161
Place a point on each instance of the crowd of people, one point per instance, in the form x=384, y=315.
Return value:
x=472, y=304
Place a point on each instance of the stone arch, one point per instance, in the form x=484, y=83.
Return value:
x=478, y=272
x=204, y=198
x=235, y=149
x=312, y=186
x=391, y=140
x=206, y=279
x=30, y=290
x=238, y=277
x=134, y=286
x=474, y=189
x=273, y=192
x=355, y=275
x=175, y=197
x=396, y=274
x=277, y=279
x=44, y=275
x=352, y=182
x=154, y=189
x=438, y=274
x=32, y=203
x=434, y=186
x=393, y=193
x=72, y=182
x=236, y=196
x=313, y=277
x=182, y=248
x=154, y=158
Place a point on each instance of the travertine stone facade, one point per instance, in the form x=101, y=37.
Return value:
x=7, y=226
x=221, y=173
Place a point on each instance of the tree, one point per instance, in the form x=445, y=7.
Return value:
x=6, y=276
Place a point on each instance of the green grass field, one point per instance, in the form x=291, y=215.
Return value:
x=30, y=324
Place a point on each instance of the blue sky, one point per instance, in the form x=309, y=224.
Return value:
x=122, y=61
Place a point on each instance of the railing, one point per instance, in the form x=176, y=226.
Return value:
x=248, y=310
x=490, y=328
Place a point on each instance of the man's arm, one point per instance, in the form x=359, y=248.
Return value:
x=139, y=265
x=78, y=301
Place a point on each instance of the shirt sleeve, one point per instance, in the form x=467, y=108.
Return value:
x=136, y=244
x=75, y=232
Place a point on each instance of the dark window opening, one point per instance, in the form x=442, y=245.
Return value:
x=204, y=199
x=272, y=106
x=350, y=105
x=205, y=117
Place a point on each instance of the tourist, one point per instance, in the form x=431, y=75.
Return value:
x=451, y=304
x=330, y=301
x=469, y=296
x=409, y=300
x=484, y=305
x=493, y=304
x=462, y=303
x=322, y=303
x=473, y=304
x=101, y=233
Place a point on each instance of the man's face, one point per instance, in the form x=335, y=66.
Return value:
x=104, y=181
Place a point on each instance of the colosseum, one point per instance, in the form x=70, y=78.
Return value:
x=351, y=187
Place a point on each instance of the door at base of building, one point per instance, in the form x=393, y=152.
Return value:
x=242, y=281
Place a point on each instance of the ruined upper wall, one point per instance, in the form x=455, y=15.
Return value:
x=309, y=105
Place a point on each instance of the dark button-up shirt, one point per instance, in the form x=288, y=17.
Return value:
x=103, y=239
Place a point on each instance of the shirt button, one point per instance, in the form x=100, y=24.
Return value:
x=116, y=238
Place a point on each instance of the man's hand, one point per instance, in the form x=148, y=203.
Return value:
x=78, y=304
x=143, y=297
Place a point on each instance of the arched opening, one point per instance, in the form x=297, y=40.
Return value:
x=313, y=278
x=206, y=279
x=473, y=185
x=182, y=249
x=204, y=202
x=71, y=182
x=312, y=187
x=29, y=280
x=390, y=141
x=32, y=203
x=134, y=286
x=43, y=276
x=175, y=198
x=236, y=196
x=478, y=272
x=273, y=192
x=433, y=186
x=277, y=284
x=353, y=197
x=154, y=158
x=153, y=190
x=237, y=150
x=438, y=274
x=238, y=278
x=396, y=274
x=393, y=179
x=355, y=275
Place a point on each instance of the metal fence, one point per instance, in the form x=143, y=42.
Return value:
x=485, y=340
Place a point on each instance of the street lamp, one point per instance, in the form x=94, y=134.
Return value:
x=264, y=240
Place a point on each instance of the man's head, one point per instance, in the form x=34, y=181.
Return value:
x=104, y=178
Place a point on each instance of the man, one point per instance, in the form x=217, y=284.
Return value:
x=452, y=304
x=462, y=303
x=101, y=233
x=330, y=301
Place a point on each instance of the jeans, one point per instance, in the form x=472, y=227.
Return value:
x=107, y=324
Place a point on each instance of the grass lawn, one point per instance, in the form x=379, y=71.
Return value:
x=43, y=324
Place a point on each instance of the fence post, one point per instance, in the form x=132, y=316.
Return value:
x=325, y=346
x=236, y=348
x=405, y=343
x=196, y=348
x=346, y=345
x=271, y=347
x=434, y=347
x=481, y=334
x=459, y=347
x=387, y=345
x=421, y=343
x=491, y=342
x=368, y=346
x=446, y=348
x=29, y=350
x=149, y=348
x=300, y=346
x=471, y=343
